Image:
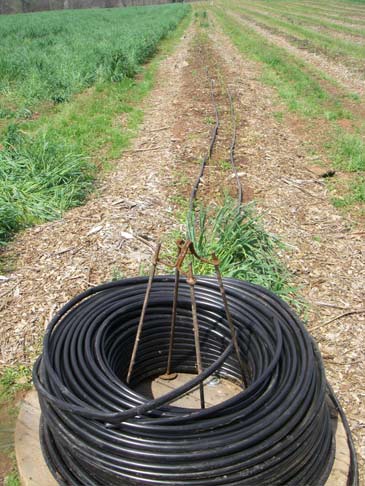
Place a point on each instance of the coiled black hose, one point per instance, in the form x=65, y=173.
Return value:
x=96, y=430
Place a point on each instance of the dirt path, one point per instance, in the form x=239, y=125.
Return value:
x=354, y=38
x=352, y=81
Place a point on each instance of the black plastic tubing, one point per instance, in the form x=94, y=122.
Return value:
x=97, y=430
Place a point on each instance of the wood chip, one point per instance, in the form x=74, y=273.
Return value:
x=95, y=230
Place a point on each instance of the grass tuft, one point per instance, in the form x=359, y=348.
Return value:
x=12, y=480
x=355, y=194
x=39, y=179
x=245, y=250
x=13, y=380
x=350, y=152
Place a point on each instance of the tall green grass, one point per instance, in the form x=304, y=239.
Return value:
x=39, y=179
x=52, y=55
x=245, y=250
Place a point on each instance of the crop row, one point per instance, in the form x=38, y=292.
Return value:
x=52, y=55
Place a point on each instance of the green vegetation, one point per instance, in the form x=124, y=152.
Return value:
x=336, y=48
x=245, y=250
x=311, y=20
x=354, y=194
x=202, y=17
x=13, y=380
x=39, y=179
x=300, y=21
x=12, y=480
x=47, y=164
x=350, y=152
x=297, y=83
x=52, y=55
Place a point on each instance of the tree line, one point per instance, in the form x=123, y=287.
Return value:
x=26, y=6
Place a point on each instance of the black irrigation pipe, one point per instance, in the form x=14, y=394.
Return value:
x=212, y=142
x=208, y=155
x=96, y=430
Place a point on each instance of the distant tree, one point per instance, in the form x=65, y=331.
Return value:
x=26, y=4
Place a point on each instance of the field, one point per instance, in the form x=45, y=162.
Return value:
x=49, y=57
x=48, y=105
x=48, y=134
x=109, y=112
x=312, y=54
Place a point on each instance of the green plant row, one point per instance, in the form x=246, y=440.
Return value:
x=52, y=55
x=297, y=82
x=303, y=14
x=39, y=179
x=244, y=248
x=333, y=47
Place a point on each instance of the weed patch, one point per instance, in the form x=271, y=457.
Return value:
x=13, y=380
x=349, y=152
x=245, y=250
x=39, y=179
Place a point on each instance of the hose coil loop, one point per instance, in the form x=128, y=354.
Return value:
x=97, y=430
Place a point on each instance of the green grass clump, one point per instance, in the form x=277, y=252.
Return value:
x=245, y=250
x=39, y=179
x=13, y=380
x=355, y=194
x=53, y=55
x=350, y=152
x=12, y=480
